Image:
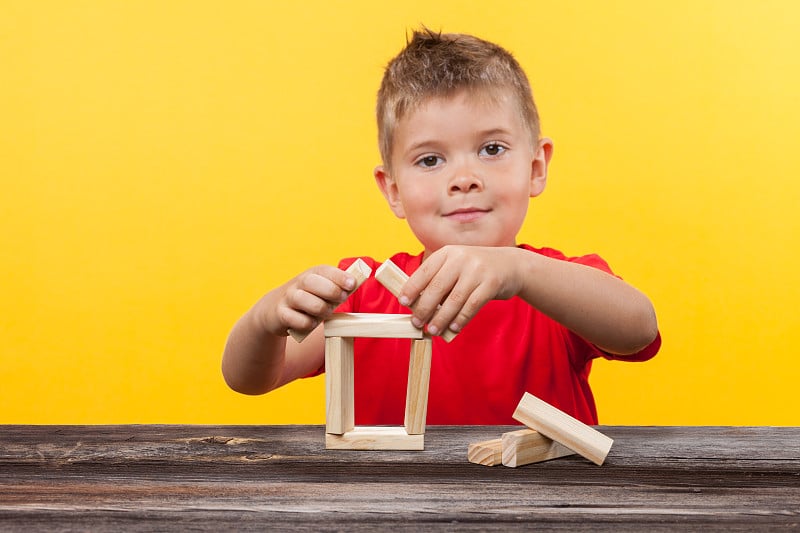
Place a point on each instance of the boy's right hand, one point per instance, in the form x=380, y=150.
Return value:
x=306, y=300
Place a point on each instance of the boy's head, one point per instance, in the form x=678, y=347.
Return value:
x=436, y=65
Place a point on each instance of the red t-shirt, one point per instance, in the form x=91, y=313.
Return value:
x=507, y=349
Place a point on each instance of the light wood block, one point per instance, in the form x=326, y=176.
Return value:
x=487, y=453
x=562, y=428
x=419, y=374
x=340, y=401
x=526, y=446
x=375, y=438
x=360, y=271
x=393, y=278
x=375, y=325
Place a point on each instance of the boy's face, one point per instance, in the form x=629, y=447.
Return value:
x=463, y=168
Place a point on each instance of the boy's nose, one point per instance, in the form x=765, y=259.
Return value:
x=465, y=181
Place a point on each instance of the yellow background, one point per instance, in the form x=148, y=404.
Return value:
x=165, y=163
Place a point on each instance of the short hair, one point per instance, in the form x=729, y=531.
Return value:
x=435, y=64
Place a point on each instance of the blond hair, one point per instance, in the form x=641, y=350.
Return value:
x=435, y=65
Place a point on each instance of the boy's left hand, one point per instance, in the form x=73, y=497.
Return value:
x=453, y=283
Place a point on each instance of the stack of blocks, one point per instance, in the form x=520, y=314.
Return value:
x=340, y=331
x=551, y=434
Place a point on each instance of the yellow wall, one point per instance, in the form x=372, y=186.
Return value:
x=163, y=164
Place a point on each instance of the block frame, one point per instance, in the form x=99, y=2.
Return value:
x=341, y=433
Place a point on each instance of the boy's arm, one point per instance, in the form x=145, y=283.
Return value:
x=599, y=307
x=258, y=356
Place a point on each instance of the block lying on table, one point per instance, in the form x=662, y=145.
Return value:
x=375, y=438
x=526, y=446
x=562, y=428
x=487, y=453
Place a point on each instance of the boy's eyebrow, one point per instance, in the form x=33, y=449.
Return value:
x=433, y=142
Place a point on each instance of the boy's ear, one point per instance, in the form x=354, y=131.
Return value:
x=539, y=165
x=388, y=187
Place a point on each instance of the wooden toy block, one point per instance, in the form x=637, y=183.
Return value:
x=371, y=325
x=419, y=373
x=526, y=446
x=340, y=404
x=487, y=453
x=562, y=428
x=360, y=271
x=375, y=438
x=393, y=278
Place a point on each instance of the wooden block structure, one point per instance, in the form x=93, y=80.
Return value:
x=562, y=428
x=526, y=446
x=341, y=432
x=393, y=278
x=360, y=271
x=551, y=434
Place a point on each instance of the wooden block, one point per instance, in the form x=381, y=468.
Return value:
x=419, y=374
x=487, y=453
x=393, y=278
x=562, y=428
x=340, y=402
x=526, y=446
x=375, y=438
x=360, y=271
x=376, y=325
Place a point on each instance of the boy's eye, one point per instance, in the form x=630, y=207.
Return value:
x=429, y=161
x=493, y=149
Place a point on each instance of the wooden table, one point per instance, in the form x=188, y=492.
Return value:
x=219, y=478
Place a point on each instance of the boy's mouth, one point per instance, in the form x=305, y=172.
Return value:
x=466, y=214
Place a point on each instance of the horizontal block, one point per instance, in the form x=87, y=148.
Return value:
x=526, y=446
x=375, y=325
x=375, y=438
x=562, y=428
x=487, y=453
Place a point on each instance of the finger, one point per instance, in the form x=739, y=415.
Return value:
x=420, y=279
x=451, y=305
x=434, y=294
x=322, y=287
x=312, y=304
x=297, y=322
x=461, y=306
x=339, y=277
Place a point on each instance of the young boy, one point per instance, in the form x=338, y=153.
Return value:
x=462, y=156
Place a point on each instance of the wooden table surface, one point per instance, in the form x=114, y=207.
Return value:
x=98, y=478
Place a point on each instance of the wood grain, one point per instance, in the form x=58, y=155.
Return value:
x=374, y=325
x=339, y=383
x=212, y=478
x=419, y=374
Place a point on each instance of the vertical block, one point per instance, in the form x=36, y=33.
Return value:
x=419, y=373
x=527, y=446
x=562, y=428
x=393, y=278
x=340, y=401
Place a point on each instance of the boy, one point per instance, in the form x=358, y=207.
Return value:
x=462, y=156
